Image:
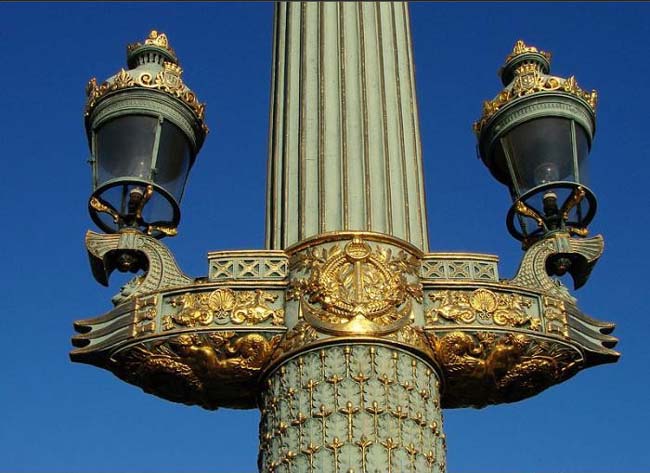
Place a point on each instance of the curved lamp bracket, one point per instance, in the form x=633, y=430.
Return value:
x=131, y=250
x=580, y=255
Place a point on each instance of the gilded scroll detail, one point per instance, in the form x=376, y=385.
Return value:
x=167, y=80
x=362, y=408
x=482, y=306
x=530, y=79
x=223, y=306
x=355, y=288
x=487, y=368
x=198, y=369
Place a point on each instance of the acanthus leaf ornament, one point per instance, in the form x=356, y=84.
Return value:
x=152, y=65
x=168, y=80
x=329, y=330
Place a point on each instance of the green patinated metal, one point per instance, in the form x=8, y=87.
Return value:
x=524, y=136
x=346, y=332
x=345, y=151
x=536, y=106
x=531, y=92
x=352, y=407
x=151, y=87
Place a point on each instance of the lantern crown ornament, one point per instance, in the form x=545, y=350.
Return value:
x=526, y=72
x=156, y=43
x=145, y=127
x=534, y=137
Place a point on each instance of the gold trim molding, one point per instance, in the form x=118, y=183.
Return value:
x=168, y=80
x=529, y=79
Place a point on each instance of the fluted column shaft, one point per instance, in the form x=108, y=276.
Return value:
x=344, y=141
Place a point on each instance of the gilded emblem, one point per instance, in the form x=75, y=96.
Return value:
x=356, y=289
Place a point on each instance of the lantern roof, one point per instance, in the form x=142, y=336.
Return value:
x=153, y=65
x=526, y=73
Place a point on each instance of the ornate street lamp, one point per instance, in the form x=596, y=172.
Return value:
x=346, y=332
x=535, y=136
x=145, y=128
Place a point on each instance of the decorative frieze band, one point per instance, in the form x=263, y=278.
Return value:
x=444, y=266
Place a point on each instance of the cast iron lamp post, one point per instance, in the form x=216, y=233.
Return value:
x=346, y=332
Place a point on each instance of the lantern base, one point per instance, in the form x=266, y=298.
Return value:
x=540, y=207
x=135, y=198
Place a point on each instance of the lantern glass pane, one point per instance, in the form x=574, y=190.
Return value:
x=124, y=148
x=158, y=209
x=174, y=160
x=541, y=151
x=582, y=145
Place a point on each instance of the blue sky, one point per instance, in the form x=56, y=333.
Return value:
x=64, y=417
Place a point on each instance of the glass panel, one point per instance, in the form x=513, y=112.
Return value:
x=115, y=196
x=158, y=209
x=541, y=151
x=173, y=162
x=124, y=147
x=500, y=167
x=583, y=151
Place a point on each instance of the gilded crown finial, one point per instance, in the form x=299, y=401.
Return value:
x=522, y=48
x=155, y=38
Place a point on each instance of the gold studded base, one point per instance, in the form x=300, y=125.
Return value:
x=353, y=408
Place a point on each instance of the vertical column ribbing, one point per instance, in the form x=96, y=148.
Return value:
x=344, y=145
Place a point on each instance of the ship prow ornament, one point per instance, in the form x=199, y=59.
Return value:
x=346, y=332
